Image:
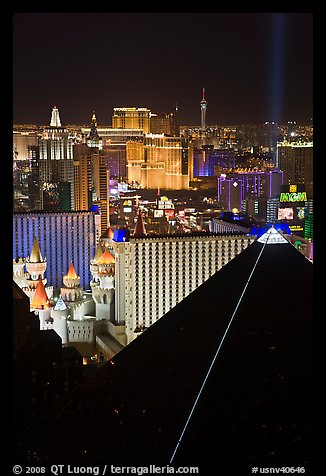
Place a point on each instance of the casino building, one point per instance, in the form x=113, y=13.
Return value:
x=154, y=273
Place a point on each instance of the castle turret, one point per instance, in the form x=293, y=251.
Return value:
x=60, y=314
x=41, y=304
x=36, y=267
x=140, y=226
x=94, y=264
x=106, y=240
x=19, y=272
x=103, y=289
x=71, y=291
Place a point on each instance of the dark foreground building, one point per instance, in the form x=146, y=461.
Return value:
x=240, y=346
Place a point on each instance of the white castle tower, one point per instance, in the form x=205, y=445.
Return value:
x=19, y=272
x=60, y=315
x=41, y=304
x=106, y=240
x=94, y=266
x=36, y=267
x=72, y=294
x=103, y=269
x=71, y=290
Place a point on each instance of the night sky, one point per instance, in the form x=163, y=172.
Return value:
x=255, y=67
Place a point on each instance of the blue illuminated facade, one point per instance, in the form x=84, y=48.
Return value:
x=207, y=158
x=64, y=237
x=120, y=235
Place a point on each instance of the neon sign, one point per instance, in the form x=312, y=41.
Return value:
x=293, y=197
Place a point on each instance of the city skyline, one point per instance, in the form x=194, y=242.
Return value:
x=255, y=67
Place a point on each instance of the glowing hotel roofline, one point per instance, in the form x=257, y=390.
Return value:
x=295, y=144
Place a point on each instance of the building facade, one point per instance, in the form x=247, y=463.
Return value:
x=153, y=274
x=233, y=188
x=165, y=123
x=56, y=166
x=63, y=237
x=157, y=162
x=131, y=118
x=295, y=159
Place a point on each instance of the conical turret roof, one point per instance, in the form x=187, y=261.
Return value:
x=71, y=272
x=40, y=299
x=36, y=256
x=98, y=253
x=109, y=233
x=106, y=258
x=139, y=227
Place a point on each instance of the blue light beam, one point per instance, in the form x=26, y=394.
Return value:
x=277, y=66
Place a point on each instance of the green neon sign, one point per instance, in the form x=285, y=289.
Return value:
x=293, y=197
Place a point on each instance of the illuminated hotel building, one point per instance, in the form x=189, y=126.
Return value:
x=233, y=188
x=22, y=139
x=110, y=136
x=157, y=162
x=112, y=143
x=153, y=274
x=131, y=118
x=92, y=174
x=295, y=159
x=56, y=159
x=93, y=139
x=84, y=160
x=206, y=158
x=92, y=182
x=62, y=236
x=164, y=123
x=272, y=207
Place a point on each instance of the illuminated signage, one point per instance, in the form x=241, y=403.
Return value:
x=158, y=213
x=165, y=203
x=302, y=213
x=285, y=214
x=169, y=214
x=296, y=228
x=293, y=197
x=122, y=187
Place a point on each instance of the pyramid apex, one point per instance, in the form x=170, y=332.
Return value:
x=272, y=237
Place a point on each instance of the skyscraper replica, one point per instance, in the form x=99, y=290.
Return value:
x=56, y=166
x=93, y=138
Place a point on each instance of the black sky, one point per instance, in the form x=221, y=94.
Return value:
x=255, y=67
